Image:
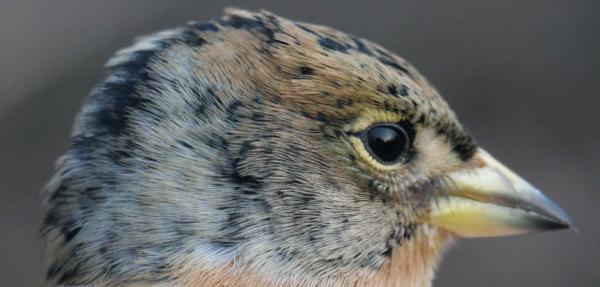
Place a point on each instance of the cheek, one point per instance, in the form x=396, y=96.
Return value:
x=434, y=155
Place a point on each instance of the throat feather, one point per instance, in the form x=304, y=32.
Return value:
x=411, y=264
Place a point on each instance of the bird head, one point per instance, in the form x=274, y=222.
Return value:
x=280, y=148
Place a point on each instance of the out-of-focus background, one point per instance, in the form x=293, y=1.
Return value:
x=524, y=76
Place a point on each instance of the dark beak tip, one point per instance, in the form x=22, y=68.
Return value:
x=564, y=222
x=555, y=222
x=553, y=217
x=560, y=225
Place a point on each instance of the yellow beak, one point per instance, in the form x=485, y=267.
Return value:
x=491, y=200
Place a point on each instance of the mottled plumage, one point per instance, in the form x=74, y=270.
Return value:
x=226, y=153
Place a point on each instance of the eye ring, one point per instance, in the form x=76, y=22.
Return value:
x=387, y=143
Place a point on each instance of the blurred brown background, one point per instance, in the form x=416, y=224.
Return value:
x=522, y=75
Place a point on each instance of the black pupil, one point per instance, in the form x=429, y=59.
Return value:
x=387, y=143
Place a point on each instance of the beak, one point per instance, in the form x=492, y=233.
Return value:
x=490, y=200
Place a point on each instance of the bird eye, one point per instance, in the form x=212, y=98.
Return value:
x=387, y=143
